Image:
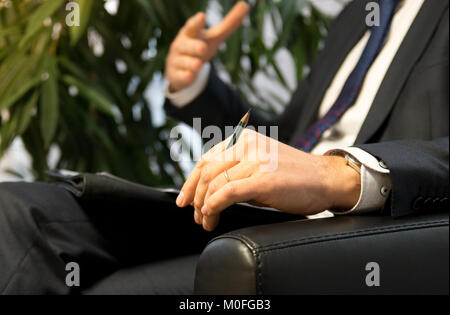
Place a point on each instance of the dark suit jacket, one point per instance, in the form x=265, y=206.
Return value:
x=408, y=124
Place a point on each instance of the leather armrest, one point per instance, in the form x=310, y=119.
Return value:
x=329, y=256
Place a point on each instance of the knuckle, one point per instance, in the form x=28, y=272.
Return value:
x=212, y=187
x=230, y=190
x=252, y=136
x=206, y=174
x=216, y=148
x=246, y=135
x=185, y=78
x=197, y=204
x=250, y=168
x=183, y=62
x=212, y=205
x=202, y=48
x=248, y=131
x=204, y=160
x=190, y=63
x=196, y=64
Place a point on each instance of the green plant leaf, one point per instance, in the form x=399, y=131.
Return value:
x=45, y=10
x=9, y=30
x=28, y=85
x=76, y=32
x=92, y=94
x=7, y=134
x=28, y=112
x=73, y=68
x=15, y=174
x=49, y=102
x=18, y=123
x=9, y=71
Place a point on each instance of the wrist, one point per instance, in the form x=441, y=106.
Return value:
x=182, y=95
x=343, y=184
x=174, y=88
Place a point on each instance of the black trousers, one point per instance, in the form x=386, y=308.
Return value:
x=120, y=248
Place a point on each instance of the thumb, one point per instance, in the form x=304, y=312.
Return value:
x=232, y=21
x=195, y=24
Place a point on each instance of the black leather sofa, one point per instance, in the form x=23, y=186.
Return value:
x=329, y=256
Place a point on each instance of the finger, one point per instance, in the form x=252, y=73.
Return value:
x=230, y=23
x=186, y=196
x=187, y=193
x=194, y=25
x=191, y=47
x=237, y=172
x=197, y=219
x=242, y=190
x=212, y=161
x=209, y=173
x=210, y=222
x=187, y=63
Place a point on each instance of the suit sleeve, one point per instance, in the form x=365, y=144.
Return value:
x=419, y=174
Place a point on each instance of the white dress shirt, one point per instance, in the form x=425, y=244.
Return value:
x=375, y=179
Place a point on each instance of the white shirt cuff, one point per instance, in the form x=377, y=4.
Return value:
x=187, y=95
x=375, y=181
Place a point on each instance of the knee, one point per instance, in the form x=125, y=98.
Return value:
x=13, y=195
x=10, y=196
x=14, y=209
x=34, y=203
x=9, y=191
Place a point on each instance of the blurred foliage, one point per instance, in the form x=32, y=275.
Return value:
x=57, y=90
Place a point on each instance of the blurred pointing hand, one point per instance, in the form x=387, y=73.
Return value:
x=194, y=46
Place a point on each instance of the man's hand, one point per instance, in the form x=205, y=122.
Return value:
x=300, y=183
x=194, y=46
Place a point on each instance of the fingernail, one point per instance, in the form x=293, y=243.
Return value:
x=196, y=217
x=204, y=210
x=205, y=225
x=180, y=199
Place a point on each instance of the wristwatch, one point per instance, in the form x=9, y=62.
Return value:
x=353, y=163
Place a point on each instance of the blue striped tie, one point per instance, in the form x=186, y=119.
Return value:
x=353, y=85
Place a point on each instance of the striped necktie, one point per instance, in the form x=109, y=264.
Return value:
x=353, y=85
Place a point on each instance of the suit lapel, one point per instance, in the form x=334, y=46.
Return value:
x=406, y=58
